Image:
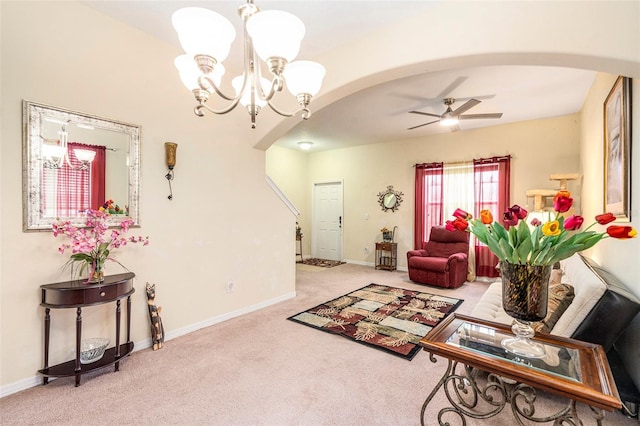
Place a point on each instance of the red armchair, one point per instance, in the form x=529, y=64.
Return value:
x=443, y=262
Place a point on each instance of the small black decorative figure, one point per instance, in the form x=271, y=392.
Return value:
x=157, y=330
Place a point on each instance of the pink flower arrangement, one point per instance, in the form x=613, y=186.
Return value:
x=91, y=246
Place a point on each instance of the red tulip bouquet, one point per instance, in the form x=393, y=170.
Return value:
x=544, y=244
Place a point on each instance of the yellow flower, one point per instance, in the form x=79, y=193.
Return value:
x=551, y=229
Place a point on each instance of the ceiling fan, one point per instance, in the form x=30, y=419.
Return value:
x=450, y=117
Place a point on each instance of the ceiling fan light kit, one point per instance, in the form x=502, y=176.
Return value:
x=272, y=36
x=451, y=118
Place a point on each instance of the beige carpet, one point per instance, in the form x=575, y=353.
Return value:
x=261, y=369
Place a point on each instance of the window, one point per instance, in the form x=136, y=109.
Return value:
x=71, y=189
x=473, y=186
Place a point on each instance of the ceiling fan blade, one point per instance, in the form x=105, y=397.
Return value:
x=476, y=116
x=424, y=113
x=450, y=88
x=454, y=128
x=466, y=106
x=421, y=125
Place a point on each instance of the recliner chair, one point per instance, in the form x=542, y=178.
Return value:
x=443, y=262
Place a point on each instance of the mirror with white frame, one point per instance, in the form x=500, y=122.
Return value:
x=74, y=161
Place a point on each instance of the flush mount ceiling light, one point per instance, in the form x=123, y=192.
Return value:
x=273, y=36
x=306, y=145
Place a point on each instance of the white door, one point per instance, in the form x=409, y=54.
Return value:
x=326, y=232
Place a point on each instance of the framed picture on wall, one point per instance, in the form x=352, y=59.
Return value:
x=617, y=150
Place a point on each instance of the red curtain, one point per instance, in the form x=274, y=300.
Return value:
x=98, y=175
x=77, y=189
x=492, y=192
x=428, y=201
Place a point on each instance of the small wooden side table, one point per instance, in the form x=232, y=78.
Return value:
x=77, y=294
x=387, y=256
x=299, y=240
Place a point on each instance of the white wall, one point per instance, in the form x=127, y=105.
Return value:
x=289, y=169
x=62, y=53
x=617, y=256
x=224, y=222
x=538, y=148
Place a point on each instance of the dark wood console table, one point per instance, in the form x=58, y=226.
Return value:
x=77, y=294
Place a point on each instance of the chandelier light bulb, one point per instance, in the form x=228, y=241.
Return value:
x=276, y=34
x=203, y=32
x=245, y=100
x=84, y=155
x=304, y=77
x=53, y=152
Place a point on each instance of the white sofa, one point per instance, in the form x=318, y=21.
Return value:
x=600, y=312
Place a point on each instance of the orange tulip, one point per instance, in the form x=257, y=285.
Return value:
x=486, y=217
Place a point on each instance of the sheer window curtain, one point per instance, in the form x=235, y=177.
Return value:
x=458, y=184
x=474, y=186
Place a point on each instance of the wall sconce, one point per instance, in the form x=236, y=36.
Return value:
x=170, y=149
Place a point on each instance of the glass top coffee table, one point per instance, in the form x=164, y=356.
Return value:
x=482, y=378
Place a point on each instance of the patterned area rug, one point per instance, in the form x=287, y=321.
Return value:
x=388, y=318
x=324, y=263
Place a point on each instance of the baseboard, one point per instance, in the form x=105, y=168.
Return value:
x=34, y=381
x=373, y=265
x=359, y=262
x=20, y=385
x=224, y=317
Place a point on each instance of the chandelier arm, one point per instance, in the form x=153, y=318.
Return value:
x=198, y=109
x=211, y=85
x=306, y=112
x=276, y=86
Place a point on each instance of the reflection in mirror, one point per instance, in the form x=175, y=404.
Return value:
x=390, y=199
x=74, y=161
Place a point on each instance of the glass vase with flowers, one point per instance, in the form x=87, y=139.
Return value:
x=92, y=245
x=527, y=252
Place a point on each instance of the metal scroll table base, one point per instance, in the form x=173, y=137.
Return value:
x=477, y=399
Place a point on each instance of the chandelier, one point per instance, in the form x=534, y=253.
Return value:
x=273, y=36
x=57, y=153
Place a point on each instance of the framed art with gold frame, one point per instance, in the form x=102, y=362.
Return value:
x=617, y=150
